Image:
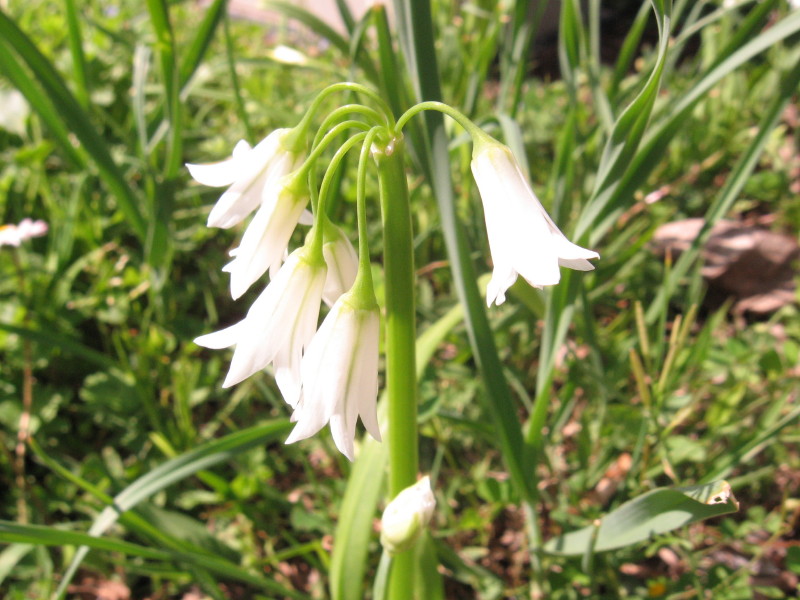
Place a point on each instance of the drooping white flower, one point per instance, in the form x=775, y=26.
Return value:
x=266, y=238
x=406, y=517
x=340, y=375
x=278, y=326
x=248, y=172
x=342, y=261
x=522, y=237
x=14, y=235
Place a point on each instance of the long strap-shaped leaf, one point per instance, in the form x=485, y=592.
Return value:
x=170, y=472
x=13, y=43
x=629, y=127
x=52, y=536
x=652, y=513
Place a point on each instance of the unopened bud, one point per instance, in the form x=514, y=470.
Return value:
x=407, y=516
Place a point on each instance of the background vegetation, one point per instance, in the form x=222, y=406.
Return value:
x=637, y=382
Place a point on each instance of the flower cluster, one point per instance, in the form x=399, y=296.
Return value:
x=330, y=375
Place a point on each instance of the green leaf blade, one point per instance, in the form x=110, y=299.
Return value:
x=651, y=514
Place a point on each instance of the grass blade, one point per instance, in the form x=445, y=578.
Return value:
x=50, y=339
x=76, y=50
x=194, y=54
x=165, y=50
x=170, y=472
x=628, y=130
x=237, y=88
x=17, y=75
x=617, y=155
x=50, y=536
x=656, y=141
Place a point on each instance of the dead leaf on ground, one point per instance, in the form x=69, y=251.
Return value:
x=755, y=266
x=100, y=589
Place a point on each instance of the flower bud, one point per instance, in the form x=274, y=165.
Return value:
x=407, y=516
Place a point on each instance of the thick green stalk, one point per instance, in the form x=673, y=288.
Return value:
x=415, y=26
x=401, y=386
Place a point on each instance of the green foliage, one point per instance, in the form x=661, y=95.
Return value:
x=612, y=391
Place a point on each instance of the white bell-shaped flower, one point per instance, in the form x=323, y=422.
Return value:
x=340, y=374
x=278, y=326
x=248, y=173
x=406, y=517
x=522, y=237
x=266, y=238
x=342, y=261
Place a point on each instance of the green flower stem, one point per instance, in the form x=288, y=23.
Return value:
x=476, y=132
x=317, y=233
x=320, y=146
x=335, y=116
x=400, y=338
x=345, y=86
x=363, y=285
x=305, y=173
x=324, y=189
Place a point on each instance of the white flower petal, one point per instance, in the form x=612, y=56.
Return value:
x=224, y=338
x=307, y=424
x=498, y=284
x=216, y=174
x=306, y=218
x=266, y=237
x=14, y=235
x=342, y=261
x=247, y=173
x=343, y=430
x=241, y=149
x=364, y=388
x=9, y=236
x=283, y=316
x=28, y=228
x=288, y=360
x=237, y=202
x=579, y=264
